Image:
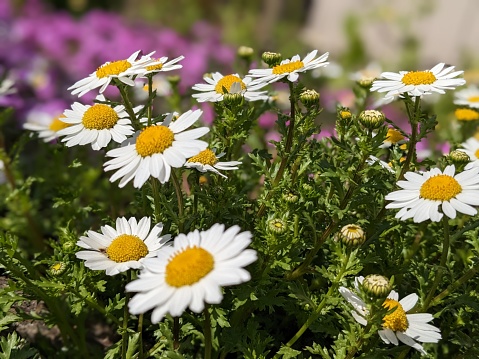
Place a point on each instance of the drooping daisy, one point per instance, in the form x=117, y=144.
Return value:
x=192, y=272
x=157, y=148
x=398, y=325
x=118, y=249
x=45, y=124
x=217, y=85
x=393, y=137
x=97, y=124
x=208, y=161
x=418, y=83
x=423, y=193
x=162, y=65
x=122, y=70
x=367, y=75
x=471, y=148
x=467, y=97
x=289, y=68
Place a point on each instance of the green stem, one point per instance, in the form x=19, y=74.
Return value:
x=179, y=197
x=140, y=338
x=156, y=198
x=442, y=264
x=317, y=312
x=359, y=343
x=176, y=333
x=129, y=107
x=207, y=332
x=414, y=121
x=126, y=316
x=150, y=97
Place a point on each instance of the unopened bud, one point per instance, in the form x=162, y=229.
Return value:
x=376, y=285
x=459, y=157
x=245, y=52
x=272, y=58
x=277, y=226
x=309, y=98
x=371, y=119
x=352, y=235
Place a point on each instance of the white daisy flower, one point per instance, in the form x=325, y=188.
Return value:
x=398, y=325
x=418, y=83
x=467, y=97
x=208, y=161
x=122, y=70
x=393, y=137
x=289, y=68
x=217, y=85
x=471, y=148
x=125, y=247
x=192, y=271
x=97, y=124
x=7, y=86
x=367, y=75
x=422, y=194
x=373, y=159
x=155, y=149
x=45, y=124
x=162, y=64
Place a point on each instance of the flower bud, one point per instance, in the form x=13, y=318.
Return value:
x=271, y=58
x=173, y=80
x=277, y=226
x=309, y=98
x=352, y=235
x=57, y=268
x=68, y=246
x=245, y=52
x=233, y=99
x=376, y=285
x=371, y=119
x=345, y=114
x=459, y=157
x=290, y=197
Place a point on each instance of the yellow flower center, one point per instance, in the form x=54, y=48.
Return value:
x=156, y=67
x=154, y=139
x=476, y=154
x=287, y=68
x=394, y=136
x=112, y=68
x=57, y=124
x=473, y=99
x=56, y=266
x=440, y=188
x=226, y=82
x=418, y=78
x=189, y=267
x=126, y=247
x=206, y=157
x=397, y=320
x=352, y=231
x=99, y=117
x=466, y=114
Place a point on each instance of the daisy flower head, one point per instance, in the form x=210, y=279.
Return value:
x=97, y=124
x=423, y=193
x=208, y=161
x=466, y=114
x=397, y=326
x=116, y=250
x=217, y=86
x=393, y=137
x=471, y=148
x=418, y=83
x=161, y=65
x=467, y=97
x=155, y=149
x=289, y=68
x=192, y=272
x=46, y=125
x=123, y=70
x=387, y=166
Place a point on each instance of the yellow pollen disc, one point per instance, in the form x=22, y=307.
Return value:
x=126, y=248
x=189, y=267
x=206, y=157
x=473, y=99
x=156, y=67
x=440, y=188
x=466, y=114
x=352, y=232
x=394, y=136
x=154, y=139
x=418, y=78
x=113, y=68
x=397, y=320
x=56, y=266
x=100, y=117
x=227, y=82
x=57, y=124
x=289, y=67
x=476, y=153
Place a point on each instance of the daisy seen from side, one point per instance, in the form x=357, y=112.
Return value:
x=155, y=149
x=96, y=124
x=46, y=125
x=418, y=83
x=289, y=68
x=116, y=250
x=161, y=65
x=471, y=148
x=397, y=326
x=217, y=85
x=208, y=161
x=123, y=70
x=192, y=272
x=423, y=193
x=467, y=97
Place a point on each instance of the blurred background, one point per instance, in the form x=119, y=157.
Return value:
x=47, y=45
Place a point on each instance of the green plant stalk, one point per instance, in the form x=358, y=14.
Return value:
x=126, y=316
x=287, y=150
x=317, y=312
x=156, y=197
x=179, y=197
x=150, y=93
x=176, y=333
x=97, y=307
x=359, y=343
x=442, y=264
x=207, y=332
x=129, y=106
x=411, y=148
x=140, y=338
